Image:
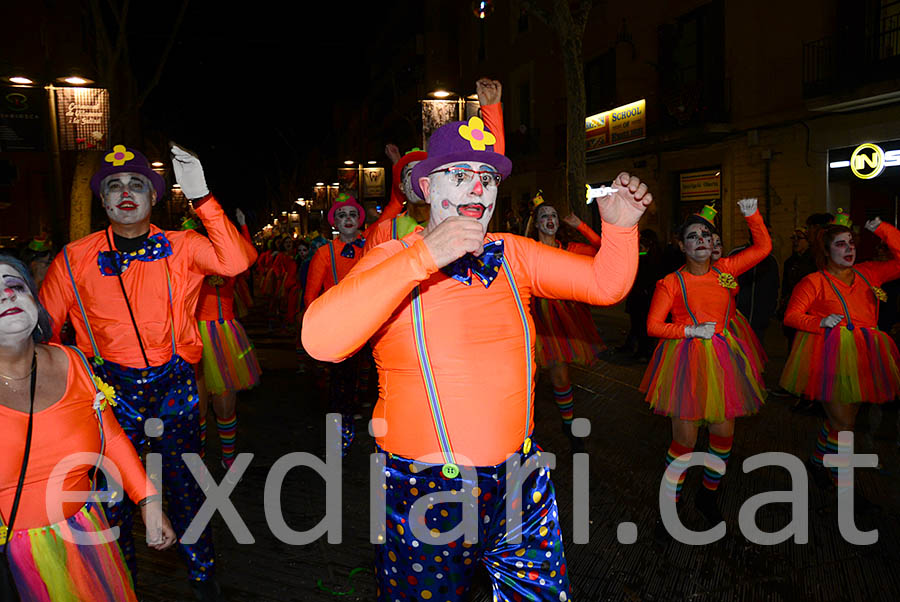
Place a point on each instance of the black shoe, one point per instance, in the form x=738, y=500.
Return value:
x=207, y=591
x=820, y=475
x=804, y=406
x=705, y=503
x=576, y=444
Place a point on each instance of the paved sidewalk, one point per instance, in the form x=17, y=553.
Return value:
x=626, y=447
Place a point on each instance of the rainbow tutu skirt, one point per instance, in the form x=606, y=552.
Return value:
x=229, y=362
x=565, y=333
x=847, y=366
x=740, y=329
x=48, y=566
x=704, y=380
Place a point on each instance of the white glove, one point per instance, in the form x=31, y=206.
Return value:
x=706, y=330
x=239, y=215
x=188, y=173
x=873, y=224
x=748, y=206
x=831, y=321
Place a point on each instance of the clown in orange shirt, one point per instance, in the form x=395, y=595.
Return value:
x=447, y=310
x=839, y=356
x=700, y=373
x=130, y=292
x=331, y=263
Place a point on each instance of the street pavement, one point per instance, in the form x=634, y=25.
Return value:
x=626, y=447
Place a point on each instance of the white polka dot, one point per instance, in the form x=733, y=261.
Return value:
x=549, y=554
x=563, y=597
x=412, y=480
x=466, y=553
x=415, y=544
x=496, y=575
x=446, y=553
x=487, y=519
x=519, y=565
x=542, y=582
x=439, y=575
x=417, y=567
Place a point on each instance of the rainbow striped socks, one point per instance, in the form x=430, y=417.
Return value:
x=202, y=435
x=826, y=443
x=721, y=447
x=673, y=485
x=227, y=428
x=564, y=402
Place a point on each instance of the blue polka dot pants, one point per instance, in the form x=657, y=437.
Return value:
x=410, y=569
x=167, y=392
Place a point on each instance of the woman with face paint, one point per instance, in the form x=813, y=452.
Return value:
x=50, y=410
x=739, y=327
x=700, y=373
x=839, y=356
x=229, y=362
x=566, y=333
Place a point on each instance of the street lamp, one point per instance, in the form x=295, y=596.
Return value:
x=349, y=162
x=21, y=79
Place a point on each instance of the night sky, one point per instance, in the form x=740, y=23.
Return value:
x=248, y=88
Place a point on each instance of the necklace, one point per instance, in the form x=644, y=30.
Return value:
x=8, y=379
x=17, y=377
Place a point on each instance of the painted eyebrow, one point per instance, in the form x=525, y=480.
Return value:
x=465, y=165
x=488, y=168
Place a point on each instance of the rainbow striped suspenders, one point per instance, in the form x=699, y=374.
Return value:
x=450, y=469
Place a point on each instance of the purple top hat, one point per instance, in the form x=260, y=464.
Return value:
x=460, y=141
x=121, y=160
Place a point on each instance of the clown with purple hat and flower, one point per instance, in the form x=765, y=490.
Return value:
x=447, y=310
x=130, y=292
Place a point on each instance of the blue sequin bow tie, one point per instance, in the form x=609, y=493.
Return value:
x=485, y=267
x=116, y=262
x=348, y=251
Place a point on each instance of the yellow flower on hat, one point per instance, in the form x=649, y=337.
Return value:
x=475, y=133
x=119, y=155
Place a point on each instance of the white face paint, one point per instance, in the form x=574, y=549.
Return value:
x=454, y=190
x=406, y=183
x=18, y=309
x=697, y=243
x=547, y=220
x=127, y=197
x=842, y=250
x=346, y=220
x=716, y=247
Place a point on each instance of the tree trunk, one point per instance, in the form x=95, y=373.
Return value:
x=575, y=113
x=87, y=162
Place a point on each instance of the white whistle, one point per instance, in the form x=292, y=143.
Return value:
x=600, y=191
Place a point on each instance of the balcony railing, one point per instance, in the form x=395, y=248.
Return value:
x=851, y=61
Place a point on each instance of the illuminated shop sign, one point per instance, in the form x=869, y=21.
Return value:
x=622, y=124
x=869, y=161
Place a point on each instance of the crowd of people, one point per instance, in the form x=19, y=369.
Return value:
x=430, y=296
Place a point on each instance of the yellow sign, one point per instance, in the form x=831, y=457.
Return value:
x=701, y=185
x=622, y=124
x=867, y=161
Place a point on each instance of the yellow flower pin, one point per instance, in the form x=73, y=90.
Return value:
x=119, y=155
x=475, y=133
x=106, y=394
x=880, y=294
x=726, y=280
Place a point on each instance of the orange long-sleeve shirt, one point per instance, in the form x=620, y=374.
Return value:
x=214, y=299
x=320, y=277
x=69, y=426
x=709, y=300
x=813, y=298
x=194, y=256
x=474, y=335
